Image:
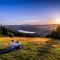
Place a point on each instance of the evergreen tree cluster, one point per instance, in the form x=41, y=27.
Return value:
x=55, y=33
x=8, y=32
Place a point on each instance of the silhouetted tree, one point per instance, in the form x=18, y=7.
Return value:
x=55, y=33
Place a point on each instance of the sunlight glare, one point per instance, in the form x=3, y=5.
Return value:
x=57, y=21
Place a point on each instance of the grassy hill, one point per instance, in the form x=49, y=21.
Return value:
x=33, y=49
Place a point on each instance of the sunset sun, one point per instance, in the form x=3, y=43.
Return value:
x=57, y=21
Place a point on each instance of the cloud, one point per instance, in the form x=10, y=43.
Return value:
x=31, y=21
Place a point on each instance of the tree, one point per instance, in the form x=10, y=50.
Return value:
x=56, y=33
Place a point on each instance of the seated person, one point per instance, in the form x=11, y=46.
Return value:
x=17, y=45
x=12, y=45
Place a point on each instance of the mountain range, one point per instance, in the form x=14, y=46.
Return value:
x=41, y=30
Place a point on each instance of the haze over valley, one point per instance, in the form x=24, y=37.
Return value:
x=31, y=29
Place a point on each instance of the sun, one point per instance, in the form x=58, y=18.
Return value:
x=57, y=21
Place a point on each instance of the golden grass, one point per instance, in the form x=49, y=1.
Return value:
x=4, y=41
x=34, y=48
x=30, y=39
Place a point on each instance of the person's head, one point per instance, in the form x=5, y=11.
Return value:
x=17, y=42
x=12, y=40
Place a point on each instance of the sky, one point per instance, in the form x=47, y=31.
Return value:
x=16, y=12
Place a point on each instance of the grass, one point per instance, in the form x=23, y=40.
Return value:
x=34, y=48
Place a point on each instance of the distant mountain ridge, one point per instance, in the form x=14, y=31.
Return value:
x=40, y=29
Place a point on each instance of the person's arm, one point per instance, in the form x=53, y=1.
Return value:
x=21, y=45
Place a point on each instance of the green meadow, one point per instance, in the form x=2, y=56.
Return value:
x=34, y=48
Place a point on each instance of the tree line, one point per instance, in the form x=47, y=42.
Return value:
x=7, y=32
x=55, y=33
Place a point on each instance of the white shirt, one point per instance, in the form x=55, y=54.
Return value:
x=12, y=45
x=17, y=44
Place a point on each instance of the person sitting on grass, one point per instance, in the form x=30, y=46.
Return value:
x=12, y=45
x=17, y=45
